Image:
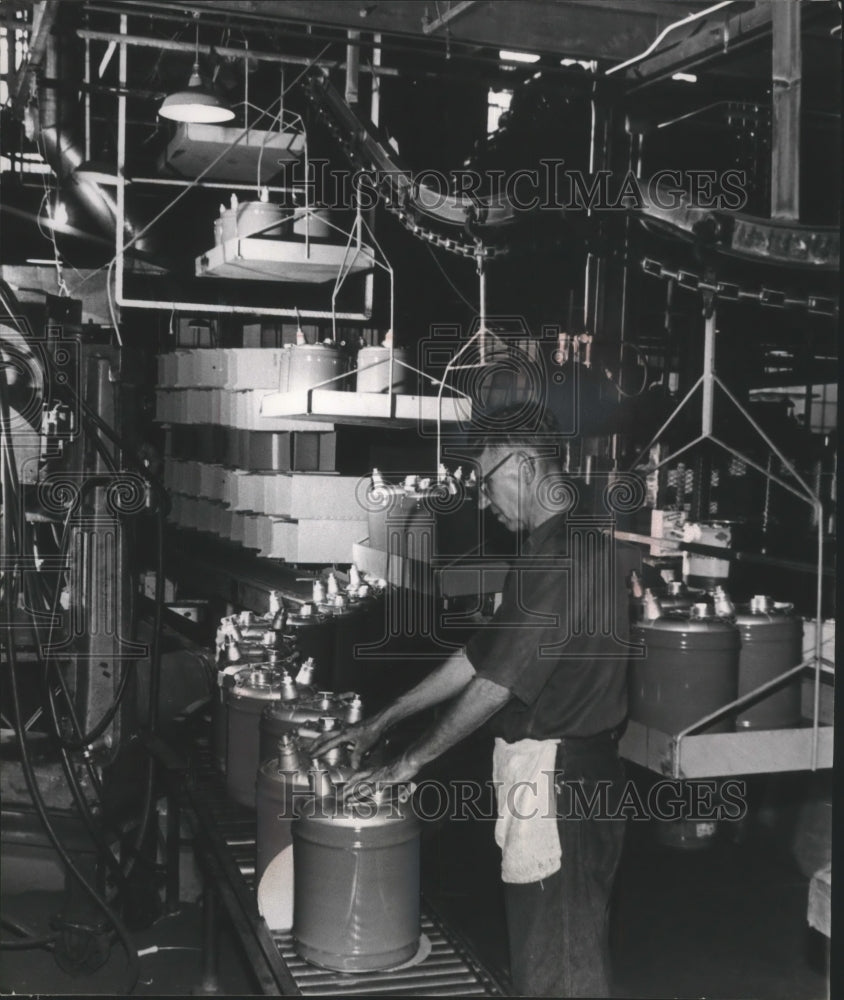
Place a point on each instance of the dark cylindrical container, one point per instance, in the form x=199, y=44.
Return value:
x=358, y=624
x=249, y=654
x=246, y=700
x=312, y=635
x=356, y=887
x=690, y=668
x=771, y=643
x=220, y=714
x=314, y=364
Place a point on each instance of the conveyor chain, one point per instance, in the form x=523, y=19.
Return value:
x=728, y=291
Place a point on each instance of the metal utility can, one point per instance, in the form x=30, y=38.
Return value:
x=356, y=885
x=248, y=654
x=280, y=718
x=315, y=223
x=311, y=634
x=252, y=690
x=373, y=369
x=690, y=668
x=771, y=643
x=315, y=364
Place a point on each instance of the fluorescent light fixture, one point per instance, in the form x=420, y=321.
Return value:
x=41, y=260
x=684, y=77
x=505, y=55
x=195, y=104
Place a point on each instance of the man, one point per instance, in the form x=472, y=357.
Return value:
x=548, y=674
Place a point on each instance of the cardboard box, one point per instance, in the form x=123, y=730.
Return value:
x=306, y=494
x=256, y=368
x=313, y=540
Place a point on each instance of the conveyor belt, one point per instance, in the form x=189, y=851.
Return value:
x=226, y=840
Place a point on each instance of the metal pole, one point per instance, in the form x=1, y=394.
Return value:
x=786, y=72
x=120, y=228
x=210, y=968
x=87, y=99
x=481, y=307
x=352, y=66
x=375, y=101
x=708, y=391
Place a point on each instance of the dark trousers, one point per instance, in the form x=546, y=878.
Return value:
x=558, y=928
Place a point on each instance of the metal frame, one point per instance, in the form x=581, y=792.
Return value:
x=118, y=262
x=708, y=382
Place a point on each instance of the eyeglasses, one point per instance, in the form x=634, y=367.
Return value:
x=484, y=480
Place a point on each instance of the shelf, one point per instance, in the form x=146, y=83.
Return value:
x=366, y=408
x=712, y=755
x=255, y=259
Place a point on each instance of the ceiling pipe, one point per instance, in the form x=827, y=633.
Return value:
x=58, y=140
x=170, y=45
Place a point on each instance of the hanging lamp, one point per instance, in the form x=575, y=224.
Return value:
x=195, y=104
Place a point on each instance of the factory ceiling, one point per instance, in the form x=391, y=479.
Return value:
x=585, y=29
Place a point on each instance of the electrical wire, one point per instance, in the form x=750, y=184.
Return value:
x=93, y=423
x=155, y=656
x=645, y=373
x=72, y=779
x=10, y=486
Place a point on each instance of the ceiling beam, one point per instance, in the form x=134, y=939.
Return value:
x=585, y=29
x=715, y=42
x=429, y=27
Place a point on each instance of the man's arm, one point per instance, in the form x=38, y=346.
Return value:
x=480, y=699
x=448, y=680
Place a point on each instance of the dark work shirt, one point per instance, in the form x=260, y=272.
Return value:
x=559, y=640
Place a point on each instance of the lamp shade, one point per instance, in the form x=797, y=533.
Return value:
x=194, y=104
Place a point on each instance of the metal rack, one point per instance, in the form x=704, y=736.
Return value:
x=692, y=754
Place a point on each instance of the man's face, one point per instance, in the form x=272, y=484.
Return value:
x=500, y=486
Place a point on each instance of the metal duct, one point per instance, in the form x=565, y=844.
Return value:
x=58, y=141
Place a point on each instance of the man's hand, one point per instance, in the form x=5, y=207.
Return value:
x=361, y=737
x=365, y=782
